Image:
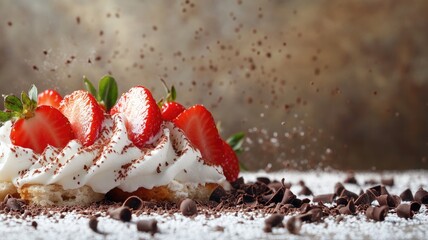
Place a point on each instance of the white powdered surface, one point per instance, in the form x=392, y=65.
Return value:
x=241, y=225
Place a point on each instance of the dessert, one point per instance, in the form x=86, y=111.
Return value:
x=88, y=145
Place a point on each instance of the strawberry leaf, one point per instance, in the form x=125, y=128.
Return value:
x=5, y=116
x=108, y=91
x=172, y=94
x=90, y=88
x=13, y=103
x=32, y=93
x=236, y=141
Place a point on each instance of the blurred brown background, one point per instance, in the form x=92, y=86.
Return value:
x=340, y=84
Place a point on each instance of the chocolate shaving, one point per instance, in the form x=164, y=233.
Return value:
x=218, y=194
x=383, y=190
x=404, y=211
x=188, y=207
x=407, y=195
x=149, y=226
x=376, y=190
x=264, y=180
x=123, y=214
x=415, y=206
x=342, y=201
x=288, y=197
x=372, y=194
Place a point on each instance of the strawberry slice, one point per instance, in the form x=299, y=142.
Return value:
x=171, y=110
x=49, y=97
x=143, y=116
x=230, y=163
x=199, y=127
x=48, y=126
x=84, y=114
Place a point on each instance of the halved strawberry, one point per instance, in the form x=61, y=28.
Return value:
x=143, y=116
x=230, y=163
x=171, y=110
x=84, y=114
x=199, y=127
x=48, y=126
x=49, y=97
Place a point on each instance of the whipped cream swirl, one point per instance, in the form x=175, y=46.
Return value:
x=112, y=161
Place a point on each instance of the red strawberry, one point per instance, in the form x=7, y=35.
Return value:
x=230, y=163
x=199, y=127
x=47, y=126
x=143, y=116
x=171, y=110
x=84, y=114
x=49, y=97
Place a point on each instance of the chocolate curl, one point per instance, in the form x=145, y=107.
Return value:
x=372, y=194
x=407, y=195
x=305, y=191
x=350, y=178
x=237, y=183
x=150, y=226
x=397, y=200
x=421, y=196
x=348, y=194
x=377, y=190
x=297, y=203
x=324, y=198
x=386, y=200
x=341, y=201
x=316, y=214
x=383, y=190
x=275, y=186
x=305, y=208
x=415, y=206
x=387, y=181
x=363, y=199
x=218, y=194
x=133, y=202
x=275, y=197
x=404, y=211
x=338, y=188
x=123, y=214
x=294, y=225
x=349, y=209
x=377, y=213
x=264, y=180
x=288, y=197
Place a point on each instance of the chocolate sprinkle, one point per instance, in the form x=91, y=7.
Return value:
x=150, y=226
x=123, y=214
x=188, y=207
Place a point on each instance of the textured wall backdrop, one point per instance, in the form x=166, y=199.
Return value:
x=313, y=83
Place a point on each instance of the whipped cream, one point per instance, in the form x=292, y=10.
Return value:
x=112, y=161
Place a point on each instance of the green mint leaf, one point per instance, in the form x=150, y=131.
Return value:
x=32, y=93
x=108, y=91
x=5, y=116
x=236, y=141
x=90, y=88
x=13, y=103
